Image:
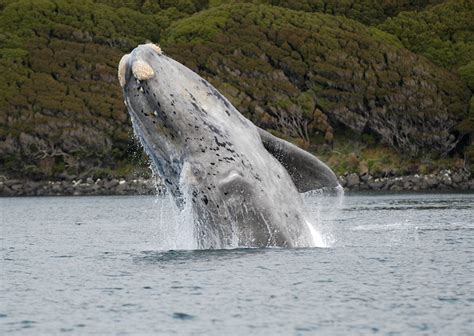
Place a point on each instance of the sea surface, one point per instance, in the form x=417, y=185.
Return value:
x=395, y=264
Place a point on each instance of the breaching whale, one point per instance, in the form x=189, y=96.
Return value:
x=241, y=182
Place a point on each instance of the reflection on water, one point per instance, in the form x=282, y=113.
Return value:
x=173, y=256
x=399, y=264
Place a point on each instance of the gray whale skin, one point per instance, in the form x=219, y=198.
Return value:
x=241, y=182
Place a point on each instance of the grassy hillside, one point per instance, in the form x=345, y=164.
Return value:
x=320, y=80
x=320, y=72
x=443, y=33
x=61, y=107
x=369, y=12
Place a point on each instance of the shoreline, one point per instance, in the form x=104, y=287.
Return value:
x=444, y=181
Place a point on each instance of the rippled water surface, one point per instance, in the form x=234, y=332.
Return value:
x=397, y=264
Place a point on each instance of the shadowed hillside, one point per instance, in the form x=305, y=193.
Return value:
x=319, y=80
x=369, y=12
x=443, y=34
x=301, y=74
x=62, y=109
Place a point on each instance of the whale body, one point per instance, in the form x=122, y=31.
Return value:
x=241, y=182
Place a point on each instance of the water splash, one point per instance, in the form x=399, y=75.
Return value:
x=176, y=228
x=321, y=207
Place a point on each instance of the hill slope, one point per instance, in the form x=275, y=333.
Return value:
x=369, y=12
x=282, y=68
x=316, y=79
x=61, y=107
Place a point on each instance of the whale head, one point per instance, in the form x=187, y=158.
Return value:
x=175, y=112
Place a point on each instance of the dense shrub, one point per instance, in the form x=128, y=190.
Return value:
x=269, y=60
x=305, y=76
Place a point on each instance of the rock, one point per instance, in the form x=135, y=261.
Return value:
x=35, y=185
x=87, y=190
x=407, y=185
x=446, y=179
x=363, y=186
x=431, y=181
x=9, y=183
x=7, y=191
x=121, y=187
x=396, y=188
x=458, y=178
x=376, y=184
x=153, y=186
x=423, y=185
x=463, y=186
x=365, y=177
x=16, y=187
x=470, y=184
x=342, y=181
x=66, y=177
x=111, y=184
x=69, y=190
x=56, y=188
x=443, y=186
x=353, y=180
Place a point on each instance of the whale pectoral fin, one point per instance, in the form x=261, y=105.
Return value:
x=306, y=170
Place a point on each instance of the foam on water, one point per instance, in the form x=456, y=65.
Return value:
x=176, y=229
x=321, y=207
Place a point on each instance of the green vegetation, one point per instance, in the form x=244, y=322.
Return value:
x=310, y=71
x=369, y=12
x=444, y=33
x=267, y=60
x=61, y=108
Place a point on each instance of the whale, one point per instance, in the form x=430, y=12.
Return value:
x=241, y=183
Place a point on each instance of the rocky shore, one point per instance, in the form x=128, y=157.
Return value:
x=445, y=180
x=81, y=187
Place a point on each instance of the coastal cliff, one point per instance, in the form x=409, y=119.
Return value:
x=372, y=88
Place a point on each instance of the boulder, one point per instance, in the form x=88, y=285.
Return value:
x=376, y=184
x=111, y=184
x=353, y=180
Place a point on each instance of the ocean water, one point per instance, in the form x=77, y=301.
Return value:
x=393, y=265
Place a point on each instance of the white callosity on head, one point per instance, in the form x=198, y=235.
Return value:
x=142, y=70
x=122, y=68
x=155, y=47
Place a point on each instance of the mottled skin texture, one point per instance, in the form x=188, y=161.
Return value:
x=211, y=157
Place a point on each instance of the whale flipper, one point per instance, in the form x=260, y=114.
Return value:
x=306, y=170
